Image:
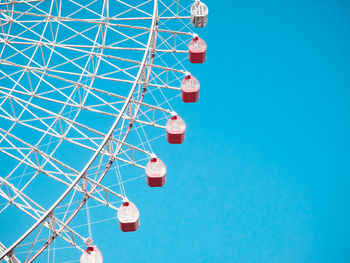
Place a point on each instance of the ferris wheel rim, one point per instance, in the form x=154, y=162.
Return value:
x=97, y=152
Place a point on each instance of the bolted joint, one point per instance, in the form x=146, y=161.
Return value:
x=52, y=222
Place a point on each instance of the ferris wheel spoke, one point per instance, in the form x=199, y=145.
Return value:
x=130, y=148
x=79, y=189
x=132, y=8
x=23, y=157
x=95, y=23
x=128, y=153
x=43, y=72
x=38, y=169
x=137, y=102
x=90, y=48
x=167, y=9
x=35, y=6
x=35, y=211
x=177, y=42
x=30, y=29
x=50, y=130
x=53, y=162
x=35, y=150
x=175, y=38
x=127, y=37
x=175, y=34
x=166, y=68
x=179, y=9
x=103, y=56
x=173, y=50
x=104, y=189
x=14, y=2
x=15, y=95
x=38, y=71
x=24, y=206
x=30, y=6
x=73, y=140
x=85, y=137
x=128, y=160
x=75, y=104
x=85, y=8
x=56, y=117
x=149, y=123
x=30, y=60
x=149, y=18
x=43, y=69
x=169, y=48
x=61, y=137
x=60, y=118
x=165, y=83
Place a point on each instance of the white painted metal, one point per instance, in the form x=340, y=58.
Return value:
x=22, y=104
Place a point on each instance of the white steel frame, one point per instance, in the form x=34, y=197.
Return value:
x=109, y=145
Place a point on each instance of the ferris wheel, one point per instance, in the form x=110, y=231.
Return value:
x=85, y=87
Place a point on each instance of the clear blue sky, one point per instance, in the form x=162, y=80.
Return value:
x=263, y=175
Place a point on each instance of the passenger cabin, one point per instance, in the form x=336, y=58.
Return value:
x=175, y=128
x=91, y=255
x=197, y=50
x=128, y=216
x=155, y=172
x=190, y=89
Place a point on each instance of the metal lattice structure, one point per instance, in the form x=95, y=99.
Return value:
x=84, y=89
